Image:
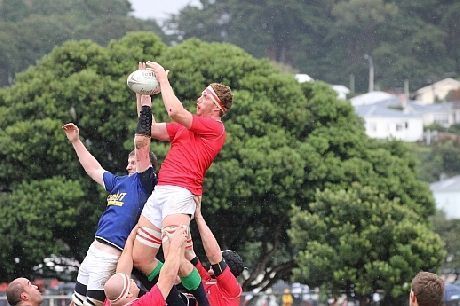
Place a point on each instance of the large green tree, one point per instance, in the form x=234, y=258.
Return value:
x=413, y=40
x=31, y=29
x=285, y=141
x=357, y=241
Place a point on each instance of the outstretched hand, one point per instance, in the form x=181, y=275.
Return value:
x=71, y=131
x=179, y=237
x=160, y=73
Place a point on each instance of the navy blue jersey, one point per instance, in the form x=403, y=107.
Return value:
x=127, y=197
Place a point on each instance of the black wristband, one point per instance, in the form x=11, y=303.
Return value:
x=219, y=268
x=194, y=261
x=144, y=124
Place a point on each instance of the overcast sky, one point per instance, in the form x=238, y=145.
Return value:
x=158, y=9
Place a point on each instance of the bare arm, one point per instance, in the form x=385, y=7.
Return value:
x=210, y=245
x=172, y=104
x=88, y=161
x=168, y=273
x=125, y=262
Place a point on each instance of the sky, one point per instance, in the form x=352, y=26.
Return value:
x=158, y=9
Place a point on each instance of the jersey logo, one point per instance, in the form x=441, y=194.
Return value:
x=116, y=199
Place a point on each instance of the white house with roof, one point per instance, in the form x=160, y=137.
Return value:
x=436, y=91
x=371, y=98
x=447, y=195
x=444, y=114
x=388, y=116
x=381, y=121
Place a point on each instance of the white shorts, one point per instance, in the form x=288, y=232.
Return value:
x=99, y=264
x=168, y=200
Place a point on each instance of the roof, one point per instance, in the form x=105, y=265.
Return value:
x=387, y=109
x=371, y=98
x=448, y=185
x=431, y=108
x=302, y=77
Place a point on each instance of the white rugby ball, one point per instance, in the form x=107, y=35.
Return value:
x=143, y=81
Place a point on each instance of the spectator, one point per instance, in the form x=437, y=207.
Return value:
x=427, y=290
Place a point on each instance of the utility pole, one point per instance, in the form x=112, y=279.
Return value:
x=371, y=72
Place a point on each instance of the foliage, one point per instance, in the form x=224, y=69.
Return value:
x=286, y=144
x=437, y=160
x=356, y=239
x=31, y=29
x=410, y=40
x=449, y=230
x=80, y=82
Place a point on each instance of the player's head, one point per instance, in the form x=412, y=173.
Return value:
x=131, y=166
x=215, y=99
x=233, y=261
x=120, y=289
x=427, y=290
x=21, y=290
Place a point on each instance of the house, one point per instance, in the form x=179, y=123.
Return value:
x=447, y=195
x=386, y=120
x=301, y=78
x=444, y=114
x=341, y=90
x=388, y=116
x=372, y=98
x=436, y=91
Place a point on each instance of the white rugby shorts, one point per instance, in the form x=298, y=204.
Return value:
x=97, y=267
x=168, y=200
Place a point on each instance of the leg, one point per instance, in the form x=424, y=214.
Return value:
x=102, y=264
x=146, y=246
x=79, y=294
x=169, y=225
x=148, y=238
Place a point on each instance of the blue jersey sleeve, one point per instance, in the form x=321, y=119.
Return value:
x=110, y=180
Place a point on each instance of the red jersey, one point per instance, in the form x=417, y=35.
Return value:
x=192, y=152
x=223, y=290
x=151, y=298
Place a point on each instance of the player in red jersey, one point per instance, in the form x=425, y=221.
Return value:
x=121, y=290
x=195, y=142
x=220, y=282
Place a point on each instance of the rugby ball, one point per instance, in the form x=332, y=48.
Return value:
x=143, y=81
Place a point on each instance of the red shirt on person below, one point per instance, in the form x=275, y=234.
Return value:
x=224, y=290
x=151, y=298
x=192, y=152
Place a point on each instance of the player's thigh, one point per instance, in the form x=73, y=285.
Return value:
x=147, y=242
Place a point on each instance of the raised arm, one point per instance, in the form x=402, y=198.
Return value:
x=125, y=262
x=210, y=245
x=88, y=161
x=172, y=104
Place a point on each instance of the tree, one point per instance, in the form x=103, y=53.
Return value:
x=408, y=40
x=356, y=240
x=449, y=230
x=285, y=141
x=31, y=29
x=80, y=82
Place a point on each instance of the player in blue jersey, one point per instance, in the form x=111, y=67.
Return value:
x=127, y=196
